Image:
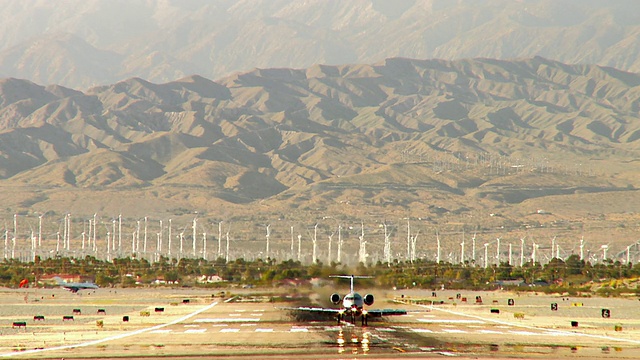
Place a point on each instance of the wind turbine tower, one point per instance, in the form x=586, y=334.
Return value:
x=219, y=238
x=387, y=245
x=522, y=251
x=339, y=243
x=315, y=243
x=299, y=246
x=113, y=235
x=486, y=255
x=414, y=239
x=362, y=253
x=268, y=235
x=628, y=253
x=204, y=245
x=329, y=252
x=438, y=248
x=291, y=242
x=605, y=248
x=195, y=235
x=144, y=243
x=169, y=243
x=473, y=248
x=119, y=232
x=136, y=248
x=227, y=254
x=408, y=239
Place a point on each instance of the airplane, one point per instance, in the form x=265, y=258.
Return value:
x=74, y=287
x=352, y=305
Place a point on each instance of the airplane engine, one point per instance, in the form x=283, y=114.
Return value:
x=368, y=299
x=335, y=299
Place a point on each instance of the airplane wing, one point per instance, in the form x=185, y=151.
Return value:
x=313, y=309
x=385, y=312
x=73, y=289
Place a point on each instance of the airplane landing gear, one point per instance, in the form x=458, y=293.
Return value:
x=365, y=320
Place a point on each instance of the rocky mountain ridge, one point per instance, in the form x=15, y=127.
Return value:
x=82, y=44
x=403, y=134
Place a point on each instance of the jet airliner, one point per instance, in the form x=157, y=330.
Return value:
x=353, y=305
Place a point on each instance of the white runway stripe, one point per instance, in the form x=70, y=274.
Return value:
x=422, y=330
x=451, y=321
x=264, y=330
x=222, y=320
x=299, y=330
x=522, y=332
x=386, y=329
x=230, y=330
x=195, y=331
x=454, y=331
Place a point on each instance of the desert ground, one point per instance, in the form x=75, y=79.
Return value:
x=196, y=323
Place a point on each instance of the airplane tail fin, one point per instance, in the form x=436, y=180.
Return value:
x=352, y=277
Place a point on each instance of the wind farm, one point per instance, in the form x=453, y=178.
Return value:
x=324, y=239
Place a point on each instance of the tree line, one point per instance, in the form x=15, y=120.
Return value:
x=131, y=271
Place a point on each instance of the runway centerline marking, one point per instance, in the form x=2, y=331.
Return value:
x=114, y=337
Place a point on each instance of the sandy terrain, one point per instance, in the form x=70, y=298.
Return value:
x=207, y=326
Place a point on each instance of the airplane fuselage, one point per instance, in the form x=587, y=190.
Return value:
x=353, y=303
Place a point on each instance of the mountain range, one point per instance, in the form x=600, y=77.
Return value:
x=436, y=139
x=82, y=44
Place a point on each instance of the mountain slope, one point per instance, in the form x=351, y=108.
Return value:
x=408, y=135
x=82, y=44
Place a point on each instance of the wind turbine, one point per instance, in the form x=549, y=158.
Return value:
x=387, y=245
x=219, y=238
x=522, y=251
x=438, y=248
x=604, y=248
x=299, y=246
x=195, y=235
x=414, y=239
x=268, y=234
x=339, y=243
x=291, y=242
x=169, y=240
x=315, y=242
x=486, y=255
x=473, y=248
x=362, y=253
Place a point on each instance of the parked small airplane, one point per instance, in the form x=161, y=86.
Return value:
x=352, y=305
x=74, y=287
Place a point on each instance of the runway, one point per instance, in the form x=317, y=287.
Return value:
x=207, y=327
